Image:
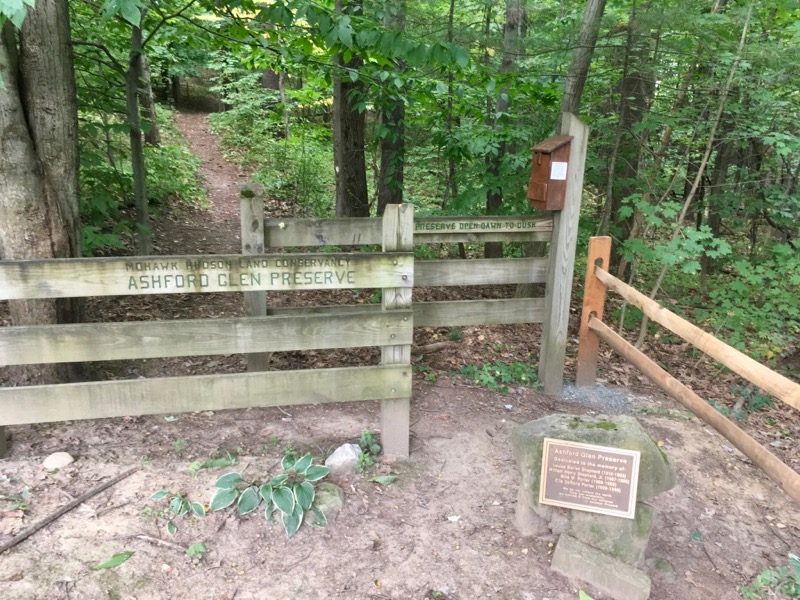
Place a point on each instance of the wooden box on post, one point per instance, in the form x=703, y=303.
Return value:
x=547, y=187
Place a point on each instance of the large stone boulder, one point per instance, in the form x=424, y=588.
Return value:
x=614, y=545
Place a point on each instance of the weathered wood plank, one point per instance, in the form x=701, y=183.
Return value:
x=398, y=236
x=364, y=231
x=562, y=262
x=48, y=403
x=465, y=313
x=120, y=341
x=594, y=300
x=453, y=313
x=282, y=233
x=63, y=278
x=251, y=213
x=483, y=271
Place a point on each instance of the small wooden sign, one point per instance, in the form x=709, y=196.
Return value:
x=586, y=477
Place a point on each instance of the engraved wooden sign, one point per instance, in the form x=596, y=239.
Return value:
x=592, y=478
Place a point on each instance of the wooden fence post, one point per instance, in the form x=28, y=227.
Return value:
x=251, y=203
x=398, y=236
x=562, y=262
x=594, y=299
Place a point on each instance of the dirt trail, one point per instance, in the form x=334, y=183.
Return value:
x=443, y=530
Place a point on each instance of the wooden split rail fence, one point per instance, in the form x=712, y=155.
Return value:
x=593, y=330
x=254, y=272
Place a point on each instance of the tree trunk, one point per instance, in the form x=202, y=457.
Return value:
x=582, y=57
x=152, y=137
x=571, y=100
x=512, y=38
x=39, y=162
x=451, y=187
x=349, y=126
x=132, y=80
x=393, y=113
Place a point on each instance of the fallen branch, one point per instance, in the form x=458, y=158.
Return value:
x=433, y=347
x=23, y=535
x=157, y=542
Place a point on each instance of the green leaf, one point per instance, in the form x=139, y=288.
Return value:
x=159, y=495
x=283, y=499
x=198, y=509
x=304, y=494
x=384, y=479
x=248, y=501
x=287, y=462
x=197, y=549
x=584, y=596
x=292, y=522
x=318, y=518
x=265, y=492
x=215, y=463
x=695, y=535
x=301, y=466
x=316, y=472
x=172, y=529
x=269, y=511
x=278, y=480
x=223, y=498
x=228, y=481
x=460, y=56
x=115, y=561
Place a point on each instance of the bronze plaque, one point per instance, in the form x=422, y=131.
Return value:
x=586, y=477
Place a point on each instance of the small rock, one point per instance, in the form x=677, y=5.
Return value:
x=344, y=459
x=57, y=460
x=329, y=498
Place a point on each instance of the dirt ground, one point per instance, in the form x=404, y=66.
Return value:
x=443, y=530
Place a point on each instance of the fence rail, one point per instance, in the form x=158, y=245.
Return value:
x=390, y=328
x=592, y=330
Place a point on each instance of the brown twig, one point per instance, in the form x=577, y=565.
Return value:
x=23, y=535
x=157, y=541
x=426, y=349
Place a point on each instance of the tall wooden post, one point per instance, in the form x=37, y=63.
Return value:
x=594, y=299
x=398, y=236
x=251, y=203
x=562, y=262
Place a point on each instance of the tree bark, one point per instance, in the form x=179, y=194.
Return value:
x=349, y=125
x=152, y=137
x=39, y=161
x=512, y=38
x=133, y=77
x=393, y=114
x=582, y=57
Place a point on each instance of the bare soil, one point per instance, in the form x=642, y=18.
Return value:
x=443, y=530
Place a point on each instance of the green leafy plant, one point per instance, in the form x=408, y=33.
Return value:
x=754, y=399
x=179, y=506
x=215, y=463
x=19, y=501
x=783, y=579
x=196, y=551
x=497, y=376
x=291, y=493
x=370, y=449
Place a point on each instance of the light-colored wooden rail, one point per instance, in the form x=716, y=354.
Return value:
x=284, y=233
x=778, y=471
x=592, y=330
x=391, y=329
x=78, y=277
x=197, y=337
x=768, y=380
x=71, y=401
x=452, y=313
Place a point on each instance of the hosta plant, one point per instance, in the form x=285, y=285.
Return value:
x=291, y=493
